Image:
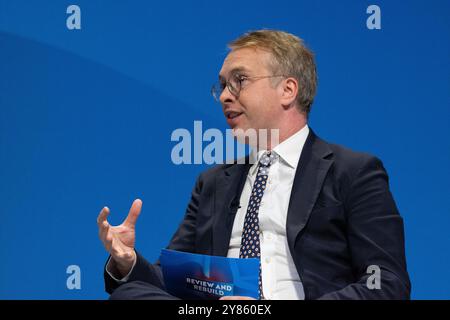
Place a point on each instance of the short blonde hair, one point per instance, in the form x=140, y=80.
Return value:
x=290, y=58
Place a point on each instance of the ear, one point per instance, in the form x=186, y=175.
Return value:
x=288, y=91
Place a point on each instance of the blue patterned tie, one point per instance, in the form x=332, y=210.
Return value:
x=250, y=247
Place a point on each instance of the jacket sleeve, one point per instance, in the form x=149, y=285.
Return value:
x=375, y=237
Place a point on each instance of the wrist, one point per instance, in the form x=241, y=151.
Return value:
x=124, y=265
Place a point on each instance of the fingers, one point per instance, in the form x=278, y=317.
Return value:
x=103, y=225
x=103, y=230
x=107, y=239
x=133, y=214
x=104, y=213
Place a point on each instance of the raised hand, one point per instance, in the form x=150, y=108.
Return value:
x=119, y=240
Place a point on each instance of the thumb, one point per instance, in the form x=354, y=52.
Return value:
x=133, y=214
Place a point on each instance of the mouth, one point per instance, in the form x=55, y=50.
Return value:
x=232, y=114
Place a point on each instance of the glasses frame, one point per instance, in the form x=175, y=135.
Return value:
x=218, y=88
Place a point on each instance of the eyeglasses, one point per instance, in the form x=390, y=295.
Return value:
x=234, y=84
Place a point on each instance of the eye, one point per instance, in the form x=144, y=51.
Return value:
x=241, y=77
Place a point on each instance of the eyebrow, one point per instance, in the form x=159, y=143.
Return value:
x=234, y=70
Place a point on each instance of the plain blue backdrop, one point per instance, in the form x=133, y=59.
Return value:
x=86, y=118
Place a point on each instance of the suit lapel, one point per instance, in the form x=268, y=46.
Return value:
x=309, y=177
x=228, y=189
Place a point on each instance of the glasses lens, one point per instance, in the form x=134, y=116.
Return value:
x=216, y=91
x=235, y=84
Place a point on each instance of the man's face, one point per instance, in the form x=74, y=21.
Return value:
x=258, y=105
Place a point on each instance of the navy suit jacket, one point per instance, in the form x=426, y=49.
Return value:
x=341, y=219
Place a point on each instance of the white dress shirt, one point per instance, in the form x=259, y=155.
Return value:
x=280, y=279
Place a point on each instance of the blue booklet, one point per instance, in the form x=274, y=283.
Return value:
x=198, y=276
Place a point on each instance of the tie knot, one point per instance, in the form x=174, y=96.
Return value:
x=268, y=158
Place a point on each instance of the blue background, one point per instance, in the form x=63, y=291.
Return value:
x=86, y=117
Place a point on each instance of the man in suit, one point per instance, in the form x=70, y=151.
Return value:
x=319, y=216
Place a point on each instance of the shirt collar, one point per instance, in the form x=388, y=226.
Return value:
x=289, y=150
